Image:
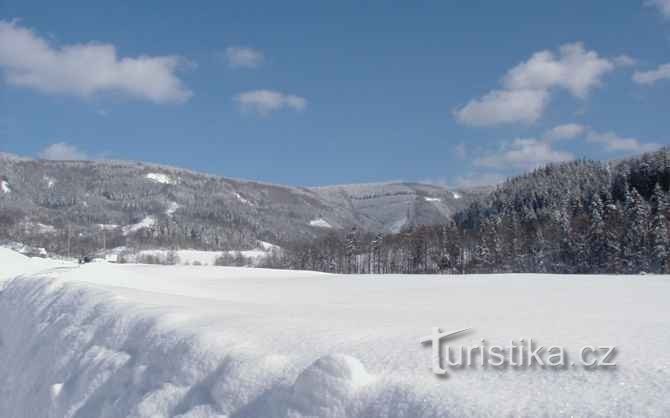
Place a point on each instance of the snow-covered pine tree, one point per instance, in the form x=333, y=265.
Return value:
x=635, y=233
x=659, y=240
x=613, y=221
x=597, y=251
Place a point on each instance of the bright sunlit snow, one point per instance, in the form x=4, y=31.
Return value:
x=137, y=340
x=39, y=227
x=4, y=187
x=147, y=222
x=320, y=223
x=49, y=181
x=107, y=227
x=160, y=178
x=205, y=258
x=172, y=208
x=243, y=200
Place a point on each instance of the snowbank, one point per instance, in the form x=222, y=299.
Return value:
x=14, y=264
x=106, y=340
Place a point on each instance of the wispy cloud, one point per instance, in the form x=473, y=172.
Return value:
x=567, y=131
x=624, y=61
x=615, y=143
x=524, y=154
x=650, y=77
x=611, y=141
x=663, y=6
x=527, y=88
x=244, y=57
x=62, y=151
x=264, y=102
x=30, y=61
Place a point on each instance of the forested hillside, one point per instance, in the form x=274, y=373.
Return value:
x=84, y=207
x=577, y=217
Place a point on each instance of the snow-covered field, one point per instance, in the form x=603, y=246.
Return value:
x=194, y=257
x=105, y=340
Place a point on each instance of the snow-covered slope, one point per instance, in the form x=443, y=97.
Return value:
x=167, y=206
x=107, y=340
x=387, y=205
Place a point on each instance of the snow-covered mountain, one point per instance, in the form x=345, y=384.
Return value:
x=84, y=204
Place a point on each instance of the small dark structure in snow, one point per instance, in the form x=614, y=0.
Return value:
x=85, y=259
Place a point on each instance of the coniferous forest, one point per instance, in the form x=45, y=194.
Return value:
x=577, y=217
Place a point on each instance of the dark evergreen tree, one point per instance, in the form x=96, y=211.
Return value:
x=596, y=239
x=659, y=239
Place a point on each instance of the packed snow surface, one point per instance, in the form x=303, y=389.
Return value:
x=106, y=340
x=432, y=199
x=320, y=223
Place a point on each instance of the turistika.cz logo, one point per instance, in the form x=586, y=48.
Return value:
x=521, y=353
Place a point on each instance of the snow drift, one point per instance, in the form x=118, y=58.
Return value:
x=107, y=340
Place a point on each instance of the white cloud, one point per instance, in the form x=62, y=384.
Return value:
x=575, y=69
x=264, y=102
x=662, y=5
x=624, y=61
x=527, y=87
x=650, y=77
x=524, y=154
x=28, y=60
x=610, y=140
x=614, y=142
x=62, y=151
x=567, y=131
x=504, y=106
x=243, y=57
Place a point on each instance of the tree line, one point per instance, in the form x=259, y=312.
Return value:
x=577, y=217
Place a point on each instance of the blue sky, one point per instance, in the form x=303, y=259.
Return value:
x=312, y=93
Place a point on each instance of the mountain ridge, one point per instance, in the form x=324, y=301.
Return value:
x=44, y=202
